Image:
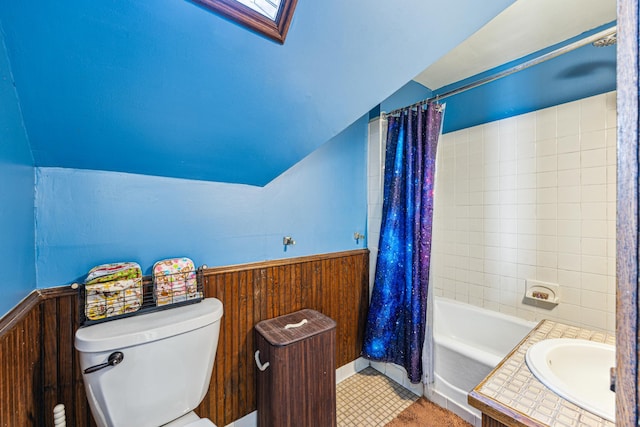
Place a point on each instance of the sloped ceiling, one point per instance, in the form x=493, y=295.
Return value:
x=168, y=88
x=525, y=27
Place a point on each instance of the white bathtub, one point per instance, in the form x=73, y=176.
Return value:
x=468, y=343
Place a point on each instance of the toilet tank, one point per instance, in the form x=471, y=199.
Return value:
x=166, y=366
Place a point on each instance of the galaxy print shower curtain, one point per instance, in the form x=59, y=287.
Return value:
x=396, y=322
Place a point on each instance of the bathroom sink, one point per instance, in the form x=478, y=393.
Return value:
x=577, y=370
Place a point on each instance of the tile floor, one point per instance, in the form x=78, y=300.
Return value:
x=369, y=399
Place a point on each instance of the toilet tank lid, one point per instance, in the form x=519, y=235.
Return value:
x=148, y=327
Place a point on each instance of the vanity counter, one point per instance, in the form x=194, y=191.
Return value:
x=511, y=396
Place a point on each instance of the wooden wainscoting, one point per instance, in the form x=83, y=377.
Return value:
x=39, y=366
x=336, y=285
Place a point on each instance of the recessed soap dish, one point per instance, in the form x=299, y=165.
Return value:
x=542, y=294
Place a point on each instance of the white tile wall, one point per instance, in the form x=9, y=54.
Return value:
x=530, y=197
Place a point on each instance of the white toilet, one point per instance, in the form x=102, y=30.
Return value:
x=151, y=369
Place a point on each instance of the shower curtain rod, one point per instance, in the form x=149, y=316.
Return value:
x=535, y=61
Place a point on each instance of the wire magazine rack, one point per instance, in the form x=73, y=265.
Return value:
x=118, y=299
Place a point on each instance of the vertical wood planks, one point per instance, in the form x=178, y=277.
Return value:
x=334, y=284
x=66, y=351
x=20, y=373
x=39, y=365
x=487, y=421
x=50, y=351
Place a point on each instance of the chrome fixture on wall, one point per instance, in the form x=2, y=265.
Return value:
x=288, y=241
x=357, y=235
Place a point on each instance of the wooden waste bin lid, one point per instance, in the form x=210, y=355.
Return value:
x=287, y=329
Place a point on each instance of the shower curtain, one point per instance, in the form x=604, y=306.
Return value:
x=396, y=321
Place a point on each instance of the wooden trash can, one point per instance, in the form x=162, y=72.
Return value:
x=296, y=376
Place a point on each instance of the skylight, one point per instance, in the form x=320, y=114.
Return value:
x=268, y=17
x=268, y=8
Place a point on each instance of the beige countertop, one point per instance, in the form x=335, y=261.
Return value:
x=511, y=394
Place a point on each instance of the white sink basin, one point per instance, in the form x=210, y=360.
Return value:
x=577, y=370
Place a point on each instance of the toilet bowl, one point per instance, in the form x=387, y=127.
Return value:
x=152, y=369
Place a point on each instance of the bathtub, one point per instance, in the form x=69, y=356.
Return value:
x=468, y=343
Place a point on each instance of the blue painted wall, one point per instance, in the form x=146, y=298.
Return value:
x=408, y=94
x=116, y=95
x=138, y=90
x=120, y=99
x=168, y=88
x=16, y=195
x=227, y=223
x=90, y=217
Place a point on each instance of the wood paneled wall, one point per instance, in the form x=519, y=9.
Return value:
x=336, y=286
x=39, y=366
x=38, y=363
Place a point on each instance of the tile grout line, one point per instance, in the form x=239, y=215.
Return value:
x=370, y=398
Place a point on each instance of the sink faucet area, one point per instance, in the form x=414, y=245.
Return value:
x=557, y=375
x=577, y=370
